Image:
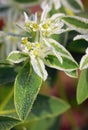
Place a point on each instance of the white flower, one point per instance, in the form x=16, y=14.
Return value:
x=40, y=46
x=52, y=25
x=46, y=26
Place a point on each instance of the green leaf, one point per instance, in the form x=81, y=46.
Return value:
x=6, y=123
x=7, y=74
x=6, y=107
x=73, y=74
x=78, y=46
x=59, y=48
x=75, y=5
x=66, y=65
x=27, y=86
x=84, y=62
x=77, y=23
x=17, y=57
x=45, y=106
x=44, y=124
x=39, y=67
x=82, y=88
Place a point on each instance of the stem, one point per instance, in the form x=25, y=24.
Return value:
x=63, y=95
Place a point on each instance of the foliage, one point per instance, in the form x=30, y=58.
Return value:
x=32, y=43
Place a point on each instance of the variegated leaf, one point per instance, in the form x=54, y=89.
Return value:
x=58, y=48
x=74, y=5
x=67, y=64
x=17, y=57
x=77, y=23
x=39, y=67
x=85, y=37
x=73, y=74
x=84, y=62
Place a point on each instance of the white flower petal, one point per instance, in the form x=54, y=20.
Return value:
x=57, y=15
x=45, y=12
x=26, y=17
x=57, y=4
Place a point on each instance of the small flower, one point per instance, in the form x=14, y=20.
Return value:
x=34, y=26
x=46, y=26
x=39, y=47
x=24, y=40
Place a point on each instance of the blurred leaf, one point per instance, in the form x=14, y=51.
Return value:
x=74, y=5
x=27, y=86
x=66, y=65
x=82, y=88
x=6, y=106
x=7, y=74
x=6, y=123
x=26, y=1
x=45, y=106
x=46, y=124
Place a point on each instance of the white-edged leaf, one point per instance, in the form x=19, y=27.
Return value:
x=77, y=23
x=67, y=64
x=17, y=57
x=84, y=62
x=73, y=74
x=6, y=123
x=26, y=88
x=58, y=56
x=58, y=48
x=74, y=5
x=85, y=37
x=39, y=67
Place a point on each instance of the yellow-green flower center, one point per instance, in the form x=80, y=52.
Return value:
x=35, y=26
x=24, y=40
x=35, y=52
x=27, y=24
x=37, y=45
x=45, y=26
x=29, y=46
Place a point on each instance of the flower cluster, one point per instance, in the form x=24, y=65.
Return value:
x=40, y=47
